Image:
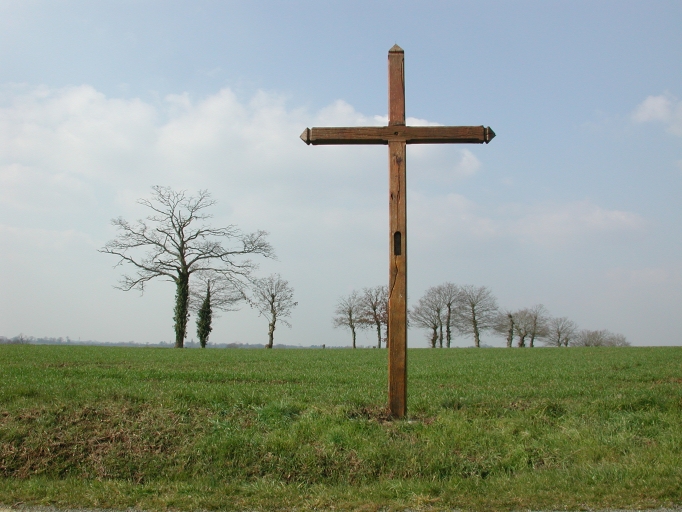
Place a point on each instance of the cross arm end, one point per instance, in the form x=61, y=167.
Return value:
x=305, y=136
x=489, y=134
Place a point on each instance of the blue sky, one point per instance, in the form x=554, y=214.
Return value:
x=574, y=204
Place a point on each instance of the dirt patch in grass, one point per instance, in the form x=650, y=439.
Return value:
x=370, y=413
x=92, y=441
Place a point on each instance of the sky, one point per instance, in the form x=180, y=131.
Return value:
x=574, y=205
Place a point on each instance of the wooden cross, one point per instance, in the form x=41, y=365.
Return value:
x=397, y=135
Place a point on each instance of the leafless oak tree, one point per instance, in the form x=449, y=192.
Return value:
x=538, y=318
x=274, y=299
x=524, y=326
x=603, y=338
x=505, y=325
x=432, y=306
x=560, y=332
x=173, y=243
x=531, y=324
x=348, y=314
x=476, y=311
x=427, y=314
x=374, y=309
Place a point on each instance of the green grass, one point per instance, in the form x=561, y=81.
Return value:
x=499, y=429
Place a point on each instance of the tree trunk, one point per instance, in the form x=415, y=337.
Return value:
x=448, y=330
x=477, y=336
x=378, y=333
x=181, y=309
x=532, y=340
x=440, y=336
x=522, y=341
x=204, y=319
x=434, y=337
x=352, y=329
x=510, y=334
x=271, y=334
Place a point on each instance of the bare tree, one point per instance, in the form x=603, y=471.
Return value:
x=175, y=243
x=212, y=292
x=426, y=314
x=374, y=309
x=19, y=339
x=274, y=299
x=523, y=326
x=448, y=294
x=560, y=332
x=433, y=300
x=617, y=340
x=505, y=325
x=603, y=338
x=476, y=311
x=531, y=324
x=225, y=296
x=348, y=313
x=538, y=318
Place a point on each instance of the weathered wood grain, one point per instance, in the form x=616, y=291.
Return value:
x=397, y=207
x=396, y=86
x=407, y=134
x=397, y=281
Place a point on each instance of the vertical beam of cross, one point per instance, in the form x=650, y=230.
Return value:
x=397, y=135
x=397, y=201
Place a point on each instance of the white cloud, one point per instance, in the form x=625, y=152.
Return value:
x=74, y=146
x=341, y=113
x=468, y=165
x=561, y=224
x=60, y=146
x=439, y=167
x=54, y=145
x=547, y=225
x=654, y=108
x=447, y=217
x=665, y=108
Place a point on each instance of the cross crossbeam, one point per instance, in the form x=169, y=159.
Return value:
x=406, y=134
x=396, y=135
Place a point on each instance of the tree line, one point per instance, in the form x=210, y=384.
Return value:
x=449, y=310
x=210, y=267
x=212, y=271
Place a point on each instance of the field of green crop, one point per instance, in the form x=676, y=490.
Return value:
x=501, y=429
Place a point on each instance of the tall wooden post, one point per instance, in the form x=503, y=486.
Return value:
x=397, y=278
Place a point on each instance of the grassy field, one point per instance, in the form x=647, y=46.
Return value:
x=502, y=429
